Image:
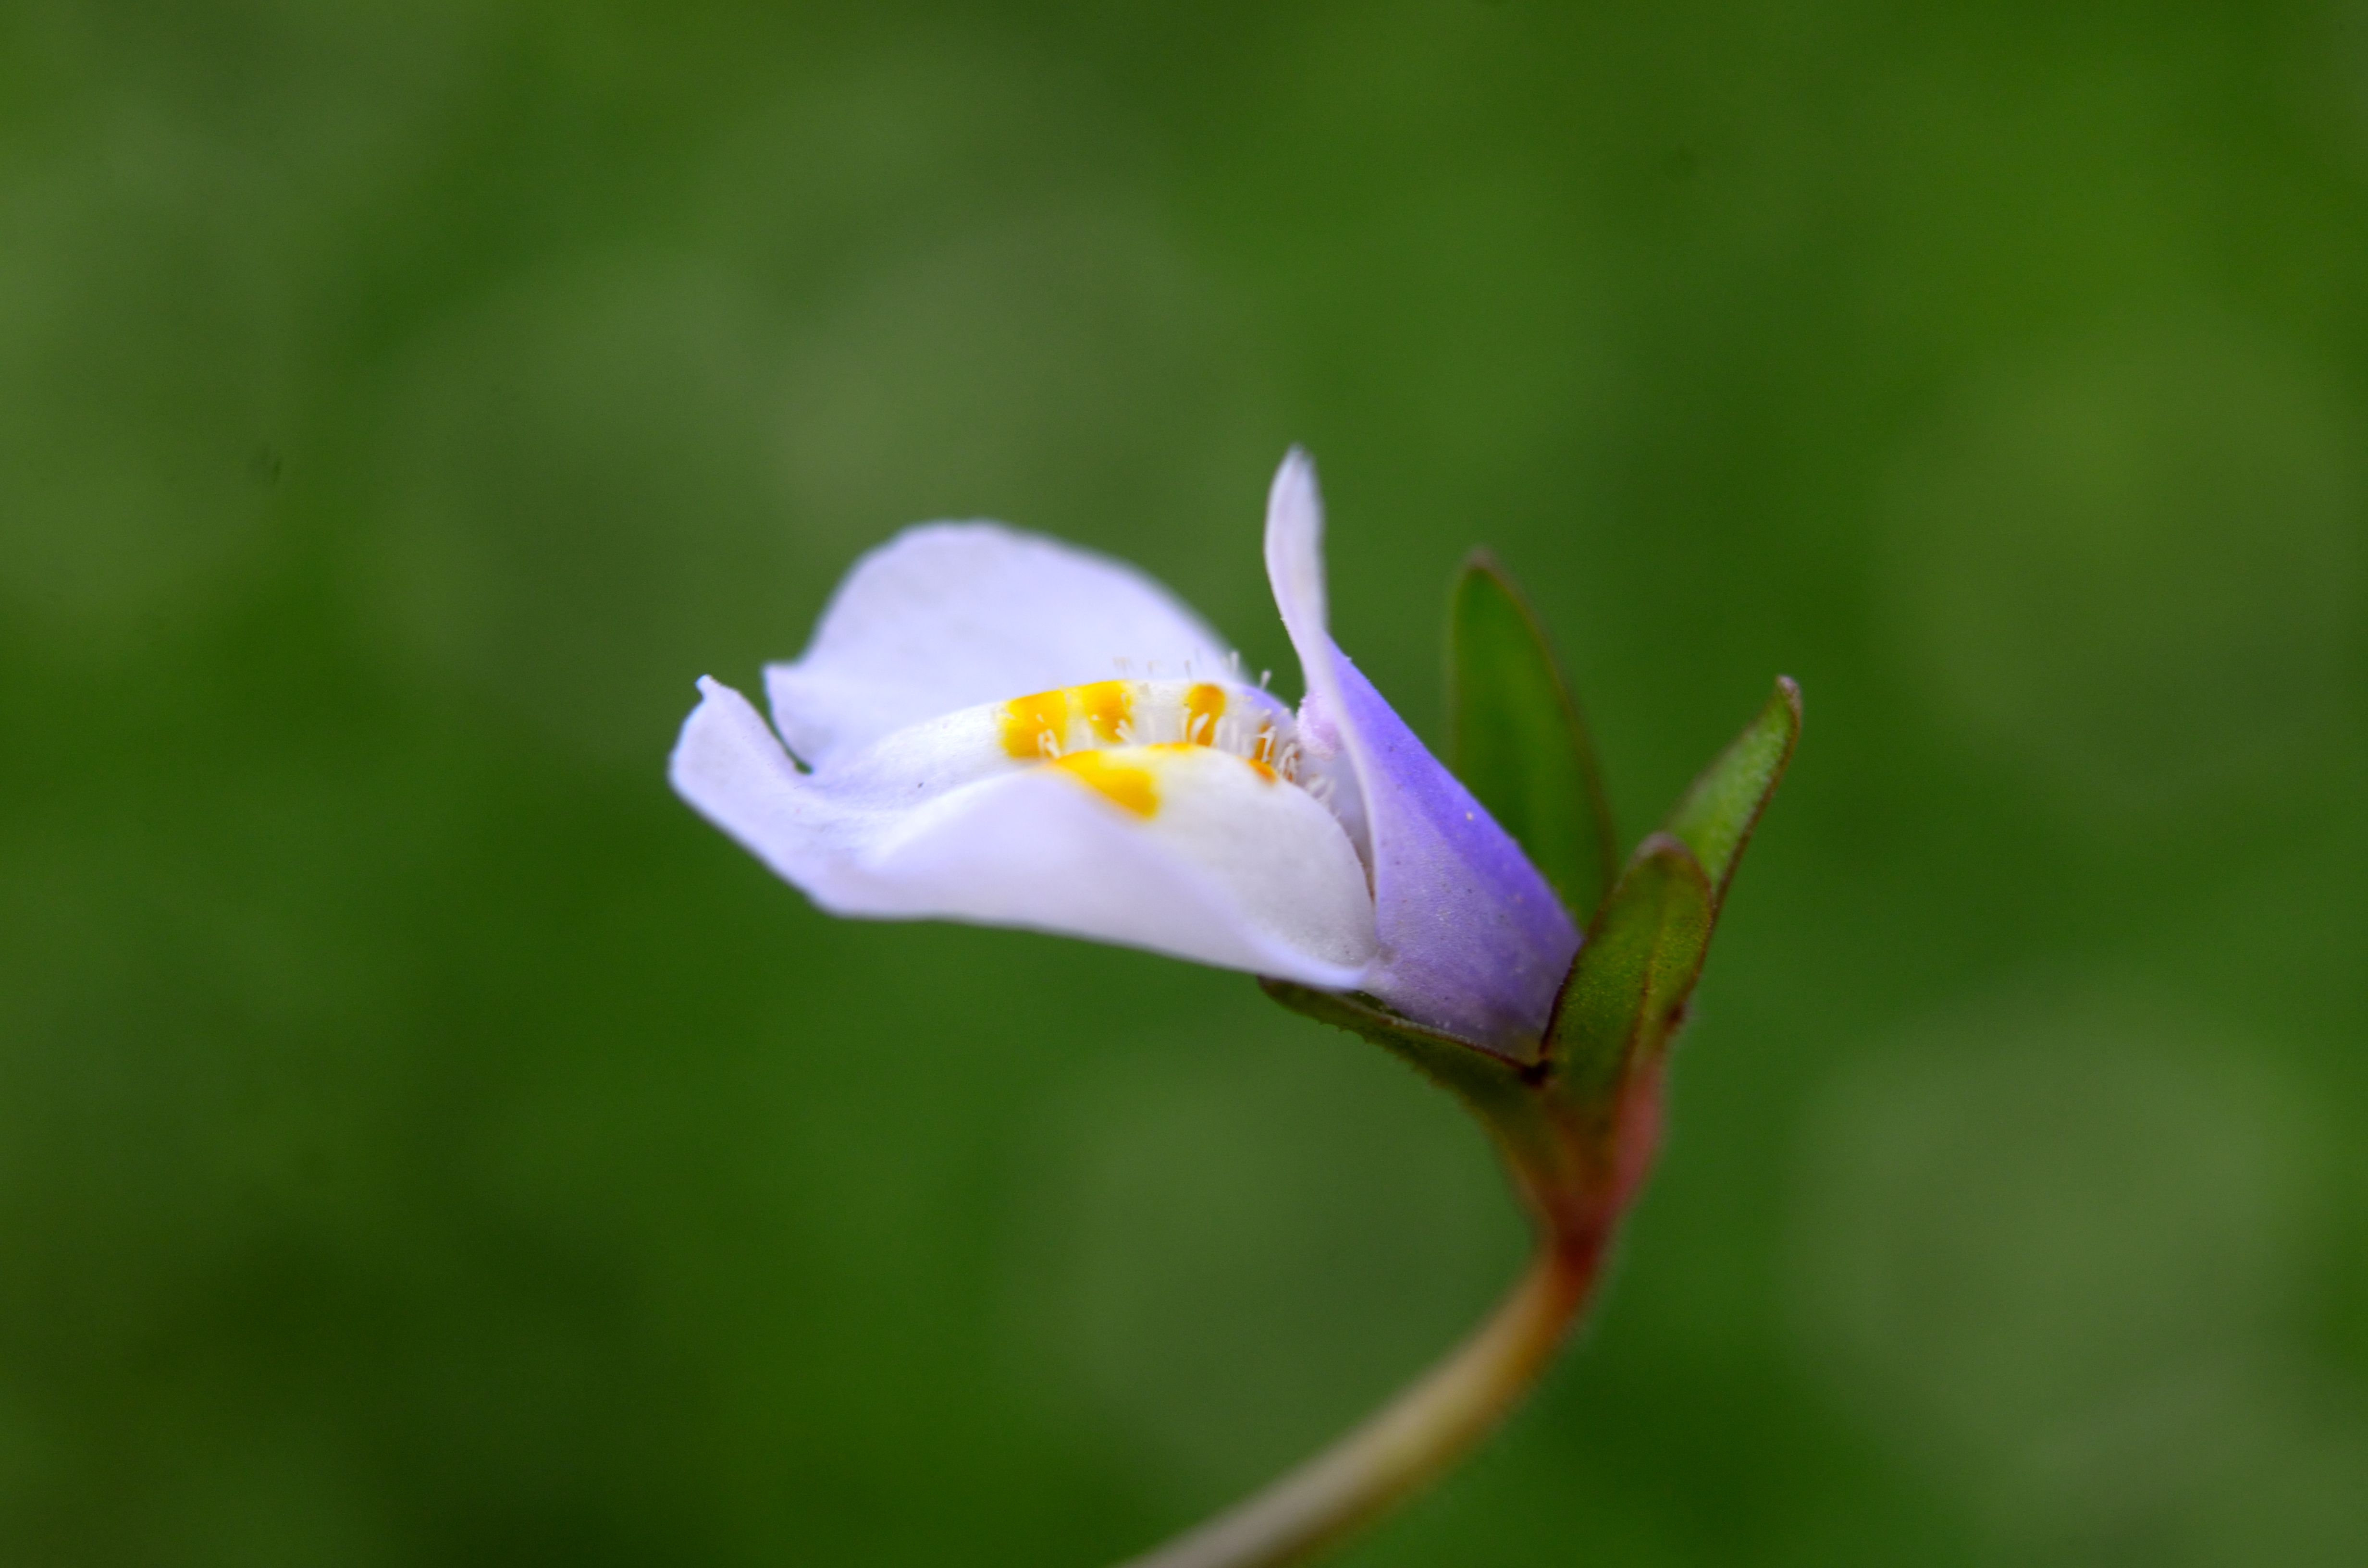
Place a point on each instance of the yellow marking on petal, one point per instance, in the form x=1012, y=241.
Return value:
x=1263, y=770
x=1120, y=782
x=1105, y=706
x=1033, y=726
x=1039, y=725
x=1204, y=705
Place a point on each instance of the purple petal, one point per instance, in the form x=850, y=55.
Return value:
x=1473, y=939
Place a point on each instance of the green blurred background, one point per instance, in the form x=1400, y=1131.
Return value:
x=422, y=1140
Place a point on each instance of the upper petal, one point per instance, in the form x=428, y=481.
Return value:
x=950, y=614
x=1472, y=940
x=1228, y=865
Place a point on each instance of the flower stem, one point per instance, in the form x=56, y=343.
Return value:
x=1413, y=1438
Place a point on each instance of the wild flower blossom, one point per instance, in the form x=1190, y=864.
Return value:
x=999, y=728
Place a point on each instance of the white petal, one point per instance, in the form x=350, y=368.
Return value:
x=1232, y=868
x=951, y=615
x=1294, y=569
x=1294, y=564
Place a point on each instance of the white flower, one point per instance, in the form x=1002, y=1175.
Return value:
x=1002, y=729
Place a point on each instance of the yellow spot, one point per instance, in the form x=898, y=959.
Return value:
x=1262, y=769
x=1123, y=783
x=1038, y=726
x=1105, y=706
x=1204, y=705
x=1032, y=726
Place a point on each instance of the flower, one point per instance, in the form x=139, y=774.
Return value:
x=1002, y=729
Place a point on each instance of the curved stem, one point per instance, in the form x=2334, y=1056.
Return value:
x=1410, y=1440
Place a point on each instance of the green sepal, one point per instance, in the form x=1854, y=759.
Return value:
x=1516, y=739
x=1577, y=1123
x=1626, y=993
x=1717, y=814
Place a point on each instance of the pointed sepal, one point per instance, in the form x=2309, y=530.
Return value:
x=1516, y=738
x=1717, y=814
x=1581, y=1121
x=1627, y=992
